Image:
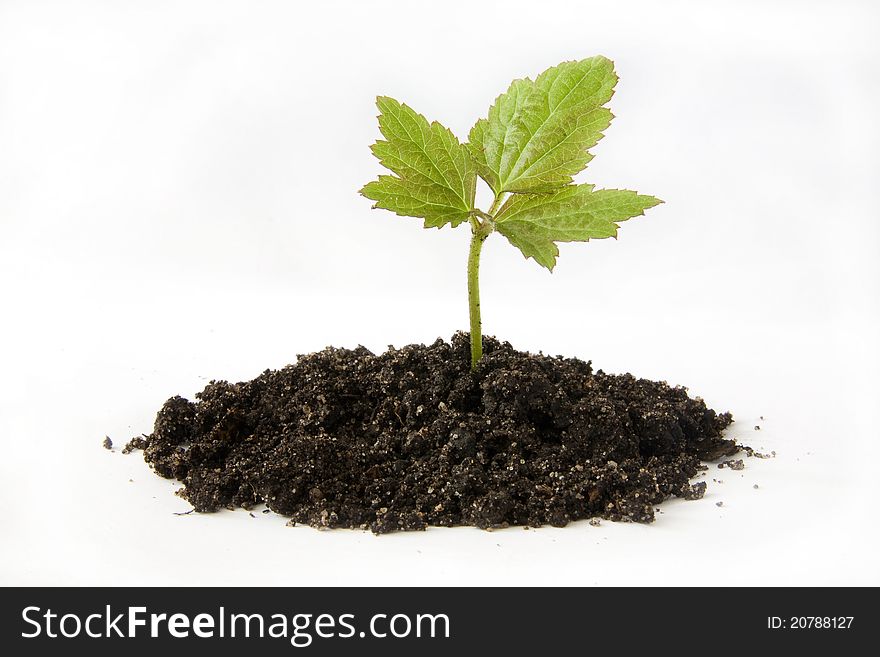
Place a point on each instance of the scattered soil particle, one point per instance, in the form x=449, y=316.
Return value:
x=107, y=443
x=137, y=443
x=758, y=455
x=736, y=464
x=412, y=437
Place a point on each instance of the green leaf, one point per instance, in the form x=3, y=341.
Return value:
x=534, y=223
x=434, y=175
x=537, y=134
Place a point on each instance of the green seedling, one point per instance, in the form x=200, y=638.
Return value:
x=535, y=138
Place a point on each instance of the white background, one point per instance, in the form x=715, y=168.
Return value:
x=178, y=203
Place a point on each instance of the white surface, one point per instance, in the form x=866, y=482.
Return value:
x=178, y=203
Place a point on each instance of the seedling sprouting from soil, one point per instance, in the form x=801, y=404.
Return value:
x=536, y=137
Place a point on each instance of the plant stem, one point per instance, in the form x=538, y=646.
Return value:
x=478, y=236
x=479, y=232
x=496, y=204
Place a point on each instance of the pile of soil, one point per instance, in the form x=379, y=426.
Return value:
x=412, y=438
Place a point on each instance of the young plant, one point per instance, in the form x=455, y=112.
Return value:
x=536, y=137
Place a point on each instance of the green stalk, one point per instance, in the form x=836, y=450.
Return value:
x=479, y=232
x=477, y=239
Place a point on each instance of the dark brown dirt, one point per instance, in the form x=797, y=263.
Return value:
x=412, y=438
